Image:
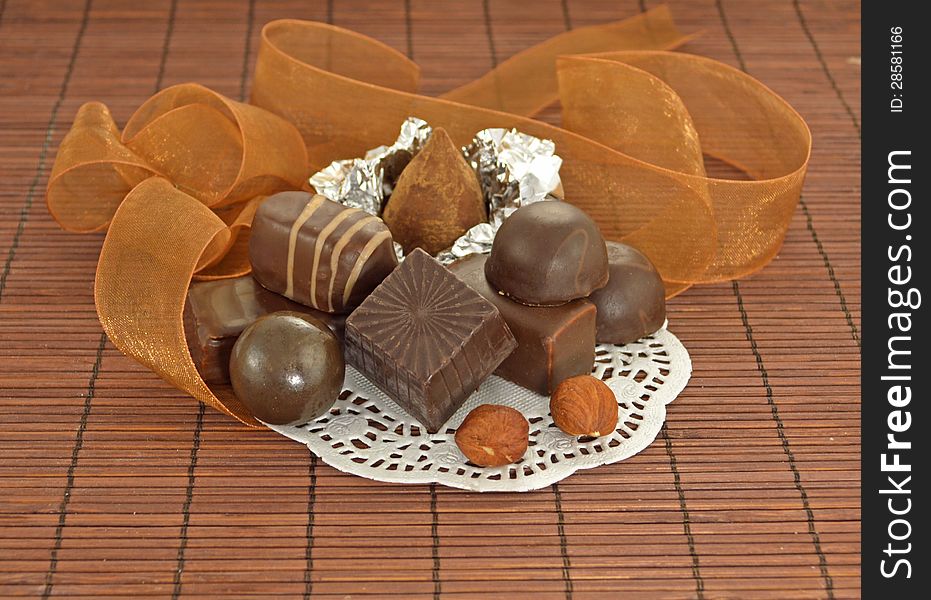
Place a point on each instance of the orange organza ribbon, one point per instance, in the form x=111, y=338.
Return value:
x=179, y=185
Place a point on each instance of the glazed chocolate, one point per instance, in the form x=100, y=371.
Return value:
x=633, y=304
x=426, y=339
x=546, y=254
x=318, y=252
x=437, y=198
x=553, y=342
x=216, y=312
x=287, y=367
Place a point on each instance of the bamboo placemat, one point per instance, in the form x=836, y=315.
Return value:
x=112, y=484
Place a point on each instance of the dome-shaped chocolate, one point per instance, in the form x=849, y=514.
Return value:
x=546, y=254
x=287, y=367
x=633, y=304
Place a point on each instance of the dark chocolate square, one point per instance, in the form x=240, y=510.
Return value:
x=426, y=339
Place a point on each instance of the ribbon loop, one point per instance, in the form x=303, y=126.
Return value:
x=157, y=254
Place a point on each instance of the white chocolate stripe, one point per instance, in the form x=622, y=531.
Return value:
x=319, y=246
x=308, y=210
x=363, y=258
x=338, y=250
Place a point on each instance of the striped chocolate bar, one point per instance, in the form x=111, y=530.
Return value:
x=318, y=252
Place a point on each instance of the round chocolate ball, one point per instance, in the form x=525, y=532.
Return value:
x=633, y=304
x=287, y=367
x=546, y=254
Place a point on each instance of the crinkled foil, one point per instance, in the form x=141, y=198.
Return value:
x=514, y=169
x=394, y=158
x=398, y=251
x=366, y=183
x=356, y=183
x=476, y=240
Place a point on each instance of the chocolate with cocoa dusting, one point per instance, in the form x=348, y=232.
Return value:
x=437, y=198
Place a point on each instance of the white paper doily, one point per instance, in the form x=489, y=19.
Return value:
x=367, y=434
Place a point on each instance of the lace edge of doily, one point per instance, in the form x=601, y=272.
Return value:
x=672, y=387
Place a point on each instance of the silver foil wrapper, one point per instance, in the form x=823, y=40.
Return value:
x=513, y=168
x=391, y=160
x=476, y=240
x=366, y=183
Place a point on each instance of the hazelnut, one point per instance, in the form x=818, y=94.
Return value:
x=584, y=405
x=493, y=435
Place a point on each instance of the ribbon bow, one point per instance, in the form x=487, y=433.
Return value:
x=179, y=185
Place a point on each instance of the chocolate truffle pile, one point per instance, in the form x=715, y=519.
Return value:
x=327, y=289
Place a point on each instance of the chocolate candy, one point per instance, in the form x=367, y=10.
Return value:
x=436, y=199
x=553, y=342
x=426, y=339
x=546, y=254
x=318, y=252
x=216, y=312
x=287, y=367
x=633, y=304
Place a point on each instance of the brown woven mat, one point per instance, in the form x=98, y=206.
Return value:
x=112, y=484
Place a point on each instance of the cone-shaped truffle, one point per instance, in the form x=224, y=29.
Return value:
x=437, y=198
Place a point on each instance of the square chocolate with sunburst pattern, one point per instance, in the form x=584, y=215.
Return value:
x=426, y=339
